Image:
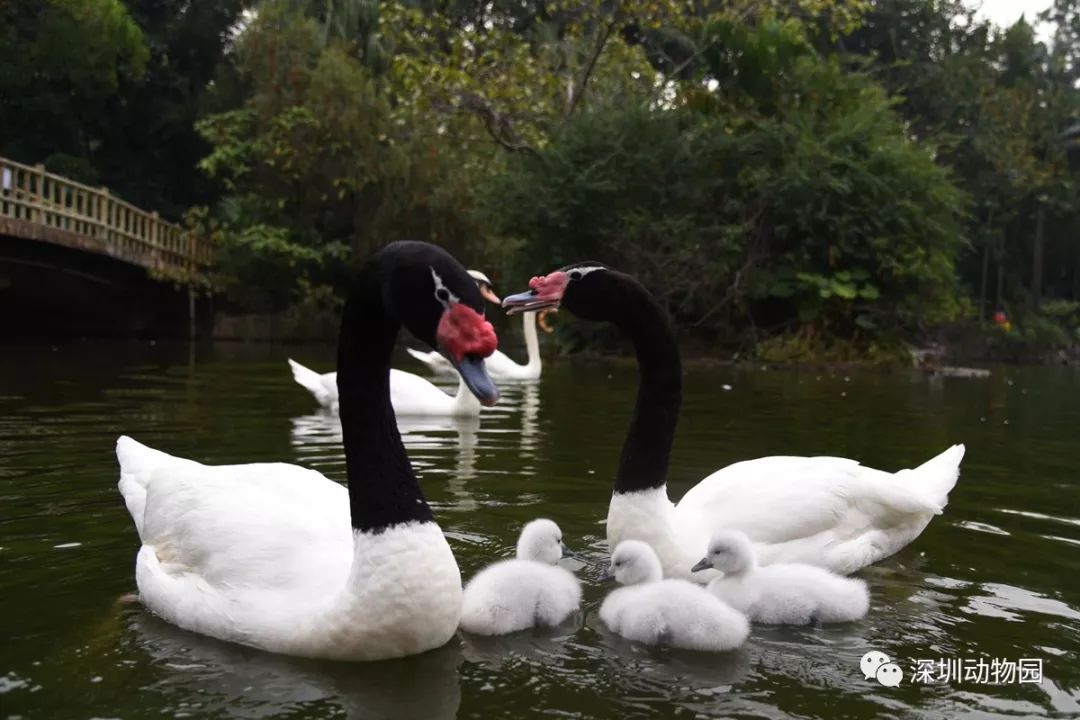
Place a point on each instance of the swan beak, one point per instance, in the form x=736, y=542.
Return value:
x=567, y=552
x=607, y=576
x=489, y=294
x=528, y=300
x=474, y=373
x=542, y=320
x=703, y=564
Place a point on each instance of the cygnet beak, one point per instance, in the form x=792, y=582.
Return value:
x=702, y=564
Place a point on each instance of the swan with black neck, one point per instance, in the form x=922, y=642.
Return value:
x=825, y=511
x=279, y=557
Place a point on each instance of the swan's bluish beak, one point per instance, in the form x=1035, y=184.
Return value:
x=529, y=300
x=474, y=373
x=702, y=564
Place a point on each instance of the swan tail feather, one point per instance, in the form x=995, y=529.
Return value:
x=137, y=465
x=936, y=477
x=311, y=380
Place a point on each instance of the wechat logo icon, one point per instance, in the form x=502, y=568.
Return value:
x=876, y=665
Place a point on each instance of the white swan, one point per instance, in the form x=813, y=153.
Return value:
x=780, y=594
x=526, y=592
x=499, y=365
x=676, y=613
x=824, y=511
x=409, y=394
x=278, y=557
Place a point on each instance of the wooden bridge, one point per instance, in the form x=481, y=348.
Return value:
x=38, y=205
x=77, y=259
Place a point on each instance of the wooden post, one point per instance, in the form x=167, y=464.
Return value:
x=39, y=192
x=191, y=310
x=103, y=213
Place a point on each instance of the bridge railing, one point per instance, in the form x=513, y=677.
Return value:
x=113, y=226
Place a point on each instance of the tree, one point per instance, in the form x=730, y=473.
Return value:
x=315, y=166
x=786, y=193
x=61, y=62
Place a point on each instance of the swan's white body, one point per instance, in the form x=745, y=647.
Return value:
x=825, y=511
x=672, y=612
x=793, y=594
x=499, y=365
x=265, y=555
x=783, y=593
x=409, y=394
x=526, y=592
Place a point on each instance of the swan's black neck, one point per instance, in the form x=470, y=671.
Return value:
x=383, y=491
x=645, y=454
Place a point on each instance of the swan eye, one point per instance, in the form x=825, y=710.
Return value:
x=580, y=272
x=442, y=293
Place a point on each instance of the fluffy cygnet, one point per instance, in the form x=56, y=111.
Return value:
x=529, y=591
x=676, y=613
x=781, y=594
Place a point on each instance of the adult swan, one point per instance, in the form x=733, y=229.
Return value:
x=826, y=511
x=279, y=557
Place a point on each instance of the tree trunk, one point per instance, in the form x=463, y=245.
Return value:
x=1000, y=274
x=1076, y=270
x=985, y=269
x=1037, y=259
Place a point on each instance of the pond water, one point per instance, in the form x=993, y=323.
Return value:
x=996, y=577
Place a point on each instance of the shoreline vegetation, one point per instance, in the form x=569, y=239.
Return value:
x=959, y=347
x=808, y=181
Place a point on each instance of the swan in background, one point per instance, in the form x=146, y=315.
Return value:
x=825, y=511
x=675, y=613
x=780, y=594
x=529, y=591
x=278, y=557
x=409, y=394
x=499, y=365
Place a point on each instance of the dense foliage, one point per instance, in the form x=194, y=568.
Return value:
x=804, y=176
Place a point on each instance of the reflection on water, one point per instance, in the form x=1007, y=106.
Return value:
x=244, y=683
x=444, y=447
x=996, y=576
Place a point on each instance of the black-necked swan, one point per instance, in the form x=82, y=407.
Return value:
x=281, y=558
x=672, y=612
x=528, y=591
x=410, y=394
x=824, y=511
x=499, y=365
x=782, y=593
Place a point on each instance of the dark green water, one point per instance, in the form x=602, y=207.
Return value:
x=998, y=576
